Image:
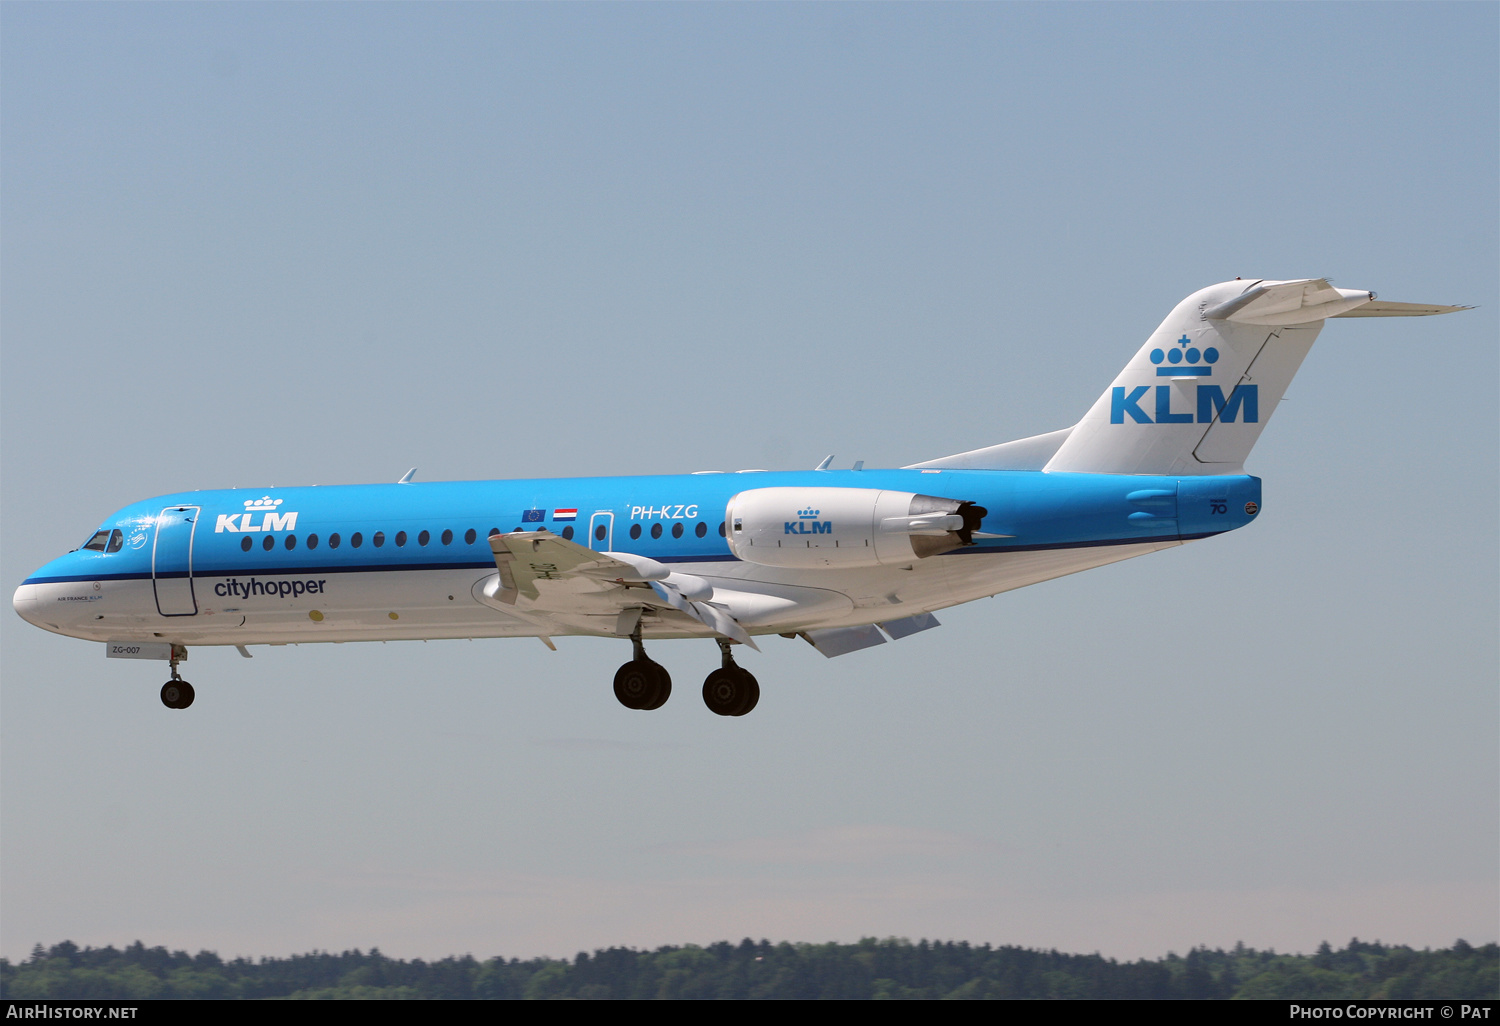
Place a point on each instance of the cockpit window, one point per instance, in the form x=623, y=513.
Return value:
x=116, y=540
x=98, y=541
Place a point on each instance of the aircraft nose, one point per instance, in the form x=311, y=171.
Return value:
x=25, y=603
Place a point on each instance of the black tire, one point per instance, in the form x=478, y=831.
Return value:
x=177, y=694
x=642, y=684
x=730, y=691
x=663, y=689
x=752, y=693
x=631, y=685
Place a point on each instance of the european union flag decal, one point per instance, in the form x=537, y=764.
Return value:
x=533, y=516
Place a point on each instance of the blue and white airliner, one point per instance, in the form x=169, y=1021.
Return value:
x=842, y=559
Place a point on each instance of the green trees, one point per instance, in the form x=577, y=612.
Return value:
x=890, y=969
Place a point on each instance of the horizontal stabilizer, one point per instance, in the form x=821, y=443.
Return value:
x=1379, y=308
x=1288, y=302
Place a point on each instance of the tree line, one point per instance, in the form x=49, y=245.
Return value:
x=893, y=968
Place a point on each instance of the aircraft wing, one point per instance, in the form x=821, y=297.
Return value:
x=526, y=557
x=566, y=581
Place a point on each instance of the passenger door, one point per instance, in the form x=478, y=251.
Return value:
x=172, y=561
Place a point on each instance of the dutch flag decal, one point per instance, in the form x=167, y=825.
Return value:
x=565, y=514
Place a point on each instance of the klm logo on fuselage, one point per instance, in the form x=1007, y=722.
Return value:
x=265, y=509
x=807, y=522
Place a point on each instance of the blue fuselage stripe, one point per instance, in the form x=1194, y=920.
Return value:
x=1035, y=511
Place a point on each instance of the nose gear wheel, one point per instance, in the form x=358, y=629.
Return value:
x=177, y=693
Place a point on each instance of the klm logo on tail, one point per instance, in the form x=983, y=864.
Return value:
x=1212, y=405
x=1185, y=361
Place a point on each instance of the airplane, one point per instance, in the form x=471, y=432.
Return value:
x=841, y=559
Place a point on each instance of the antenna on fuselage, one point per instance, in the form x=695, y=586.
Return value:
x=826, y=461
x=406, y=477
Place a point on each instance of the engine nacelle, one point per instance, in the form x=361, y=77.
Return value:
x=846, y=527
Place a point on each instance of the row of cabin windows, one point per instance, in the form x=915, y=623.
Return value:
x=378, y=538
x=357, y=539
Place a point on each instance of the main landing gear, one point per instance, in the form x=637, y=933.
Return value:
x=729, y=690
x=640, y=683
x=177, y=693
x=643, y=684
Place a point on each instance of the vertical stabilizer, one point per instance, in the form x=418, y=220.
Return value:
x=1198, y=393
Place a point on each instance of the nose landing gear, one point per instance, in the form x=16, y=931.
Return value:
x=729, y=690
x=641, y=683
x=177, y=693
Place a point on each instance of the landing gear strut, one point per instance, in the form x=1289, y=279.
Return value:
x=641, y=683
x=177, y=693
x=729, y=690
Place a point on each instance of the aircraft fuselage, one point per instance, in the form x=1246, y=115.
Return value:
x=410, y=561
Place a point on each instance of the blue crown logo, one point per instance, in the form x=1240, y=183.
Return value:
x=809, y=514
x=1184, y=361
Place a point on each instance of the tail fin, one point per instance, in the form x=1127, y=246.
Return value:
x=1196, y=396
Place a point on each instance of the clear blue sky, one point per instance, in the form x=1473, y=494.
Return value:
x=257, y=244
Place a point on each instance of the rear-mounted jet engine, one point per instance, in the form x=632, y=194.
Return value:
x=846, y=527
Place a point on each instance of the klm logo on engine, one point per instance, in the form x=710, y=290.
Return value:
x=1212, y=405
x=265, y=509
x=807, y=522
